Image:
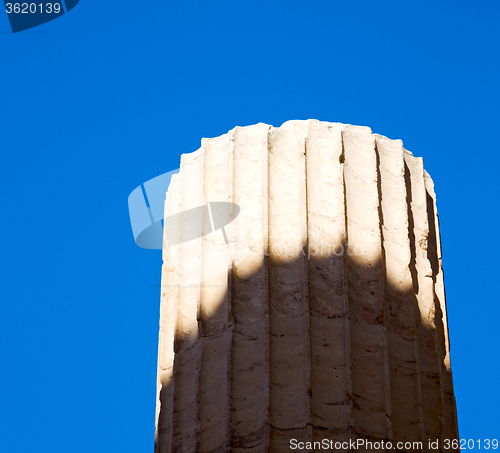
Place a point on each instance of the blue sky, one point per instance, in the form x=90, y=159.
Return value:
x=107, y=97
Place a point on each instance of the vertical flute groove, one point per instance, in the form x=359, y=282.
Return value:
x=187, y=351
x=399, y=307
x=331, y=401
x=370, y=373
x=248, y=404
x=288, y=358
x=213, y=403
x=450, y=430
x=430, y=370
x=168, y=310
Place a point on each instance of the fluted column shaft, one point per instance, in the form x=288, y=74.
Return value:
x=317, y=311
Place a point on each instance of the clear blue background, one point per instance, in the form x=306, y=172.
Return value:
x=109, y=96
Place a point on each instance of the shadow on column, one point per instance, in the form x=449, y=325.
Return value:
x=339, y=404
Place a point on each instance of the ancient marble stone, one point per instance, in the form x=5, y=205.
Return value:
x=317, y=312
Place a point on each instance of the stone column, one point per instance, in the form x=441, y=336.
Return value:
x=302, y=296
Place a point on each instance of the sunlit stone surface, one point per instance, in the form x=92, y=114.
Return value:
x=318, y=312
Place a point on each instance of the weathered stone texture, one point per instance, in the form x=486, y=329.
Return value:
x=331, y=321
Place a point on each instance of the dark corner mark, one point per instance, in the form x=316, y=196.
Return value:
x=31, y=13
